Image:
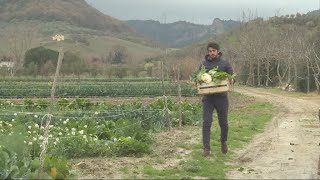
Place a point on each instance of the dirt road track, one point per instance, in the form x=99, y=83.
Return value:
x=290, y=146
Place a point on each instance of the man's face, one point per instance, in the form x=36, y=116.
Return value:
x=213, y=53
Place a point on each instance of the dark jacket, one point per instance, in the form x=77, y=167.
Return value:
x=222, y=64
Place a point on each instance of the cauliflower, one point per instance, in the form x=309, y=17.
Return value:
x=206, y=78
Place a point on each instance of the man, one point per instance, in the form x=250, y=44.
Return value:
x=218, y=102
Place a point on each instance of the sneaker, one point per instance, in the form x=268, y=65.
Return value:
x=206, y=153
x=224, y=147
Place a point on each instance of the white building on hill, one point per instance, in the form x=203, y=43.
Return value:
x=7, y=64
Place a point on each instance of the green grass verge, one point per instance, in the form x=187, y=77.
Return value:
x=279, y=91
x=286, y=93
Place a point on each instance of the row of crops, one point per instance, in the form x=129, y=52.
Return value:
x=80, y=128
x=77, y=79
x=93, y=88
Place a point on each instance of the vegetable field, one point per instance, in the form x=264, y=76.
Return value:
x=28, y=87
x=82, y=127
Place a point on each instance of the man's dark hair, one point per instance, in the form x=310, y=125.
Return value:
x=213, y=45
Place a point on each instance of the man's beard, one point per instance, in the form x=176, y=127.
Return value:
x=213, y=57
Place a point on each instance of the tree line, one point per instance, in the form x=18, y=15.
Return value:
x=278, y=52
x=41, y=61
x=281, y=51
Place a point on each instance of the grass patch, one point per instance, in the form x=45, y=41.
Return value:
x=235, y=94
x=286, y=93
x=124, y=169
x=282, y=92
x=244, y=123
x=159, y=161
x=183, y=145
x=159, y=174
x=260, y=105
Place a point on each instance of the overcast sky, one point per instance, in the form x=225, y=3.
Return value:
x=199, y=11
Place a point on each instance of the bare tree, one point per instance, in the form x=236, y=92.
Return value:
x=20, y=39
x=277, y=51
x=313, y=62
x=118, y=55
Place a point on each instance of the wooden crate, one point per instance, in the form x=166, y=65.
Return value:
x=213, y=88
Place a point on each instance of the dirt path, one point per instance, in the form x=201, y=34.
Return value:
x=290, y=146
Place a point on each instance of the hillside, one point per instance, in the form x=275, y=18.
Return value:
x=181, y=33
x=75, y=12
x=314, y=13
x=90, y=33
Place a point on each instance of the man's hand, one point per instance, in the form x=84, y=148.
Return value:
x=195, y=84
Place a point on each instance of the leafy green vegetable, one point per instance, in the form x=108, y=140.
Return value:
x=217, y=76
x=196, y=76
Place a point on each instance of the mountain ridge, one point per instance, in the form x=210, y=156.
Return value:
x=314, y=13
x=181, y=33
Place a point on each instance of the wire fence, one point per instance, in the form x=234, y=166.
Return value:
x=113, y=130
x=150, y=114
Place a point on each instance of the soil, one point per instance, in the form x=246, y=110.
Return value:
x=166, y=154
x=290, y=146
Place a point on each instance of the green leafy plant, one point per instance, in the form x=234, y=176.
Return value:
x=127, y=146
x=196, y=76
x=84, y=89
x=11, y=167
x=8, y=167
x=28, y=103
x=42, y=104
x=79, y=146
x=54, y=168
x=201, y=75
